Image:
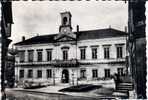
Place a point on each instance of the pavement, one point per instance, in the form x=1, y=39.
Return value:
x=54, y=89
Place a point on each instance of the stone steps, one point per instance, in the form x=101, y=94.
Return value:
x=124, y=87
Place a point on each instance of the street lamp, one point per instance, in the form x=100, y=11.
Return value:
x=72, y=78
x=53, y=77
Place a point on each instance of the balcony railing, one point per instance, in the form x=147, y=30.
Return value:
x=35, y=63
x=73, y=62
x=66, y=63
x=111, y=60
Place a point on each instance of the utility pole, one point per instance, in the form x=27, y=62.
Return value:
x=72, y=78
x=54, y=77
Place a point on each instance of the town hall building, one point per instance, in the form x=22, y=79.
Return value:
x=71, y=57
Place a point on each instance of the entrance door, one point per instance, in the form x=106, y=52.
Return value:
x=120, y=71
x=65, y=76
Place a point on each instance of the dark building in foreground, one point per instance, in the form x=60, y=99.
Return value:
x=5, y=33
x=137, y=45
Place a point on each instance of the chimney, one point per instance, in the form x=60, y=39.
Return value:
x=125, y=29
x=77, y=28
x=23, y=38
x=109, y=26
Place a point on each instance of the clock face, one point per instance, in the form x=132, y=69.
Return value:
x=65, y=30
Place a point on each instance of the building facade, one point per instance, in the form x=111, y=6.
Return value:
x=71, y=57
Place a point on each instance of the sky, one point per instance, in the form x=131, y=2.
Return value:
x=33, y=18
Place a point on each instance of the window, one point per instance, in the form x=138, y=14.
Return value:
x=83, y=73
x=30, y=55
x=94, y=53
x=120, y=71
x=94, y=73
x=49, y=73
x=30, y=73
x=82, y=51
x=39, y=74
x=65, y=54
x=39, y=55
x=119, y=51
x=22, y=56
x=107, y=73
x=21, y=73
x=49, y=55
x=106, y=53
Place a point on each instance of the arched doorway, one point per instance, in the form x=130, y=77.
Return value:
x=65, y=76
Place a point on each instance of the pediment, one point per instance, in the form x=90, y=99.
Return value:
x=64, y=37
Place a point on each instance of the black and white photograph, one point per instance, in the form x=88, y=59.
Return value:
x=73, y=50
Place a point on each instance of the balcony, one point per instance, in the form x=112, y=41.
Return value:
x=35, y=63
x=66, y=63
x=72, y=62
x=101, y=61
x=56, y=63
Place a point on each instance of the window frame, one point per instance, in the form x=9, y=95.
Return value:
x=94, y=53
x=49, y=55
x=83, y=74
x=119, y=51
x=39, y=73
x=22, y=56
x=39, y=57
x=30, y=73
x=21, y=75
x=107, y=73
x=49, y=73
x=106, y=52
x=94, y=73
x=65, y=54
x=30, y=55
x=82, y=53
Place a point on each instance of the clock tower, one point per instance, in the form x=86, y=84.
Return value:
x=65, y=27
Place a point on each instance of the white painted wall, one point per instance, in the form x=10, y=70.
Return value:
x=57, y=54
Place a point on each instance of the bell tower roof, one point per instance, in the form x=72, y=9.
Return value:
x=66, y=12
